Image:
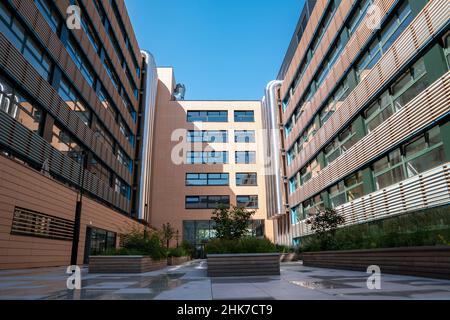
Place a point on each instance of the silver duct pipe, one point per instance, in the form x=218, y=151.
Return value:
x=149, y=105
x=273, y=169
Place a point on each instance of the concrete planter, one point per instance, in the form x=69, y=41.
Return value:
x=124, y=264
x=431, y=262
x=174, y=261
x=289, y=257
x=245, y=264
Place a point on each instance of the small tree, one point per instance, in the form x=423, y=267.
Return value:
x=324, y=224
x=231, y=223
x=167, y=233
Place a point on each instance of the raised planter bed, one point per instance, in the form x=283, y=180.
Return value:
x=243, y=264
x=174, y=261
x=124, y=264
x=431, y=262
x=289, y=257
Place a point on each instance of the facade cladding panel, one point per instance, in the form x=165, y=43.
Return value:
x=365, y=114
x=71, y=106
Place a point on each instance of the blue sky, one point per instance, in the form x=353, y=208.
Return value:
x=220, y=49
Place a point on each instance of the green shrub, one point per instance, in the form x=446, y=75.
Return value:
x=188, y=247
x=243, y=245
x=427, y=228
x=138, y=243
x=177, y=252
x=284, y=249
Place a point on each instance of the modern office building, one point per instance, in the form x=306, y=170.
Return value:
x=208, y=153
x=358, y=119
x=76, y=112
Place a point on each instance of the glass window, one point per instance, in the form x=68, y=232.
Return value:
x=349, y=189
x=123, y=128
x=206, y=202
x=208, y=136
x=358, y=15
x=207, y=179
x=244, y=136
x=207, y=157
x=79, y=60
x=73, y=101
x=99, y=170
x=111, y=73
x=124, y=160
x=20, y=38
x=122, y=188
x=246, y=179
x=107, y=103
x=19, y=108
x=207, y=116
x=245, y=157
x=244, y=116
x=103, y=136
x=250, y=202
x=64, y=143
x=49, y=13
x=447, y=48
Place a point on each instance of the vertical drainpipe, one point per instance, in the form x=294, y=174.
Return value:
x=273, y=172
x=149, y=105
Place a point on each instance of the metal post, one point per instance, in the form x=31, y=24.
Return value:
x=77, y=224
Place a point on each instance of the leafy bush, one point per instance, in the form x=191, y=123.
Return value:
x=189, y=248
x=243, y=245
x=231, y=223
x=427, y=228
x=284, y=249
x=138, y=243
x=177, y=252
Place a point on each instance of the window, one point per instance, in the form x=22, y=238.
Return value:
x=127, y=103
x=244, y=136
x=206, y=202
x=207, y=116
x=19, y=37
x=250, y=202
x=107, y=103
x=103, y=136
x=207, y=157
x=124, y=160
x=73, y=101
x=246, y=179
x=80, y=61
x=406, y=88
x=88, y=29
x=99, y=170
x=121, y=187
x=358, y=16
x=52, y=17
x=244, y=116
x=391, y=31
x=312, y=206
x=421, y=154
x=447, y=48
x=344, y=141
x=207, y=179
x=123, y=128
x=245, y=157
x=347, y=190
x=309, y=171
x=16, y=106
x=295, y=217
x=208, y=136
x=64, y=143
x=111, y=73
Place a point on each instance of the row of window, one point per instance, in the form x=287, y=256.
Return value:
x=220, y=179
x=219, y=157
x=220, y=136
x=379, y=44
x=35, y=55
x=422, y=153
x=213, y=202
x=31, y=116
x=219, y=116
x=408, y=85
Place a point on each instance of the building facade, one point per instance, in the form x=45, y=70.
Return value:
x=361, y=114
x=77, y=100
x=208, y=153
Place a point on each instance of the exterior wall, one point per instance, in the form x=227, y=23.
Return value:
x=168, y=179
x=24, y=187
x=420, y=39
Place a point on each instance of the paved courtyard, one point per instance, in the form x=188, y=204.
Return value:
x=189, y=282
